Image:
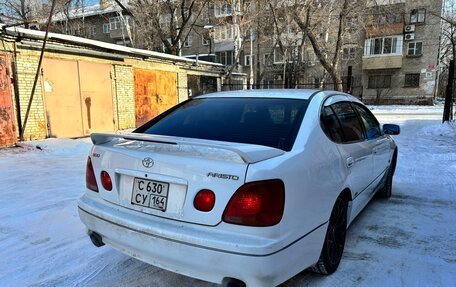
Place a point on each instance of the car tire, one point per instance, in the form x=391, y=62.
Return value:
x=386, y=190
x=334, y=244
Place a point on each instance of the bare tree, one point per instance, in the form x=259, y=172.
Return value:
x=289, y=40
x=448, y=35
x=22, y=10
x=167, y=21
x=324, y=24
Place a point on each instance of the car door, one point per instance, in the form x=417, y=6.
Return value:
x=355, y=152
x=380, y=142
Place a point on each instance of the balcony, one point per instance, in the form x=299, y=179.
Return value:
x=384, y=30
x=117, y=33
x=382, y=62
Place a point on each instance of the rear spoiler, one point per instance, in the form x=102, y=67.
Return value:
x=249, y=153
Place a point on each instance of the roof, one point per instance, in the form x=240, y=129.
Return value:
x=34, y=34
x=89, y=10
x=304, y=94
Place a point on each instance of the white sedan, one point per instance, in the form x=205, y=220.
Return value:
x=240, y=188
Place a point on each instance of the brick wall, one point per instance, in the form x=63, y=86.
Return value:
x=122, y=84
x=27, y=63
x=125, y=97
x=182, y=92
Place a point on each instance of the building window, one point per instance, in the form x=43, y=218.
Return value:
x=106, y=28
x=379, y=82
x=415, y=49
x=412, y=80
x=223, y=10
x=225, y=57
x=93, y=30
x=205, y=41
x=267, y=59
x=114, y=23
x=188, y=41
x=418, y=16
x=224, y=32
x=351, y=23
x=247, y=59
x=383, y=46
x=278, y=55
x=349, y=53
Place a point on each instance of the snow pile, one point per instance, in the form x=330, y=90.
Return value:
x=445, y=131
x=436, y=109
x=408, y=240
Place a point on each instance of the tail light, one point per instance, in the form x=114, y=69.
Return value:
x=106, y=180
x=258, y=203
x=91, y=182
x=204, y=200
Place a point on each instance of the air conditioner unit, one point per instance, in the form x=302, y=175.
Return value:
x=310, y=63
x=409, y=28
x=409, y=36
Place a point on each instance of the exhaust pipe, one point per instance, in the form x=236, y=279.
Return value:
x=96, y=239
x=232, y=282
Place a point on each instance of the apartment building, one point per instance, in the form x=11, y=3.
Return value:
x=391, y=50
x=102, y=21
x=390, y=47
x=400, y=56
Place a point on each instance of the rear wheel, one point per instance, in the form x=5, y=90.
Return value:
x=333, y=247
x=386, y=190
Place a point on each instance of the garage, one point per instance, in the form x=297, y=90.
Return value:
x=155, y=92
x=7, y=122
x=78, y=97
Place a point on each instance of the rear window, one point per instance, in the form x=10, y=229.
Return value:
x=261, y=121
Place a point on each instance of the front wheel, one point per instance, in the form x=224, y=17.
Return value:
x=333, y=247
x=386, y=190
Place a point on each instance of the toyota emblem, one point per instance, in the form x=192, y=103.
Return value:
x=148, y=162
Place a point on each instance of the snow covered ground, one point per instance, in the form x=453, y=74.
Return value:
x=408, y=240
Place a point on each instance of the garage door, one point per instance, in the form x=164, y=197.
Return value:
x=78, y=97
x=97, y=104
x=7, y=121
x=155, y=92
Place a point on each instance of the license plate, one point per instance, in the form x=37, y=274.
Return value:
x=150, y=193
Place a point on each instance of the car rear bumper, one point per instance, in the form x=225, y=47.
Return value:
x=196, y=251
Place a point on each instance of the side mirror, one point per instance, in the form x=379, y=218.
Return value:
x=390, y=129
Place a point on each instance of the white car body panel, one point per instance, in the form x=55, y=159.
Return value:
x=199, y=244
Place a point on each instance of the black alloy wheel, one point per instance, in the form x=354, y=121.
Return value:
x=333, y=247
x=386, y=190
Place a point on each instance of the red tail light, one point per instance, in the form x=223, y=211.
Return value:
x=258, y=203
x=106, y=180
x=204, y=200
x=91, y=182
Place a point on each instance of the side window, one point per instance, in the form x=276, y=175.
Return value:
x=349, y=121
x=369, y=121
x=330, y=125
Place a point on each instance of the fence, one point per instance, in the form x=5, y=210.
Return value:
x=352, y=85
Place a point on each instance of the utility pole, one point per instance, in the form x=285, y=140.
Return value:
x=237, y=34
x=349, y=80
x=251, y=59
x=447, y=114
x=37, y=74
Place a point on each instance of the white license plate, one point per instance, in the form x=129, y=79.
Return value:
x=150, y=193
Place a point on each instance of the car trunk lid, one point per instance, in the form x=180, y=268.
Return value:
x=178, y=168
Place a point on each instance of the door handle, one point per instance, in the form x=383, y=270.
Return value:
x=350, y=162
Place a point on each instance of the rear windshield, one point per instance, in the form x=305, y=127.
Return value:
x=262, y=121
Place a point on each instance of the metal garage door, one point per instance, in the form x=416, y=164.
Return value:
x=97, y=104
x=78, y=97
x=155, y=92
x=63, y=101
x=7, y=122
